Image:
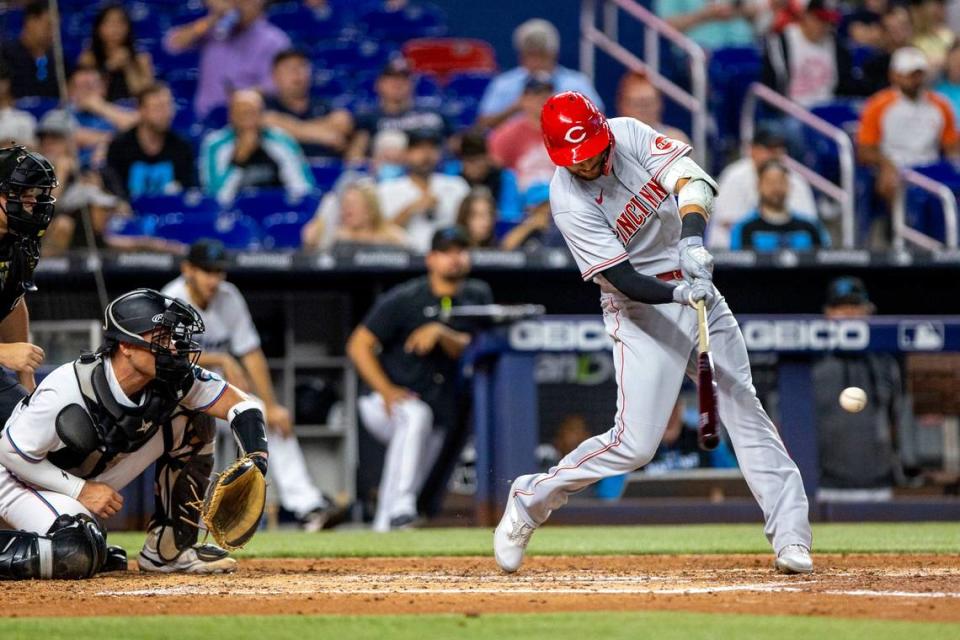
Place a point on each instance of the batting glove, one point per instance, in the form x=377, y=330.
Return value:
x=695, y=260
x=690, y=293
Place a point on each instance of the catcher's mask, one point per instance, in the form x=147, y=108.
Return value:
x=27, y=179
x=164, y=325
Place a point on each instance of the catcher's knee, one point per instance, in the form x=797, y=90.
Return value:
x=75, y=547
x=181, y=485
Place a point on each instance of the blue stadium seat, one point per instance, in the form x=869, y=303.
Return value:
x=731, y=71
x=282, y=230
x=328, y=84
x=460, y=113
x=258, y=204
x=412, y=21
x=136, y=226
x=844, y=114
x=36, y=105
x=303, y=24
x=351, y=56
x=235, y=231
x=923, y=210
x=325, y=173
x=468, y=85
x=192, y=202
x=215, y=119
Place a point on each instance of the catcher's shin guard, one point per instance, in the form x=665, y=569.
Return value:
x=182, y=478
x=74, y=548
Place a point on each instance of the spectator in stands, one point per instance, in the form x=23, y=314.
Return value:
x=857, y=451
x=864, y=25
x=479, y=169
x=478, y=218
x=395, y=110
x=949, y=86
x=238, y=46
x=360, y=222
x=638, y=98
x=772, y=226
x=713, y=24
x=739, y=194
x=127, y=71
x=245, y=154
x=409, y=364
x=808, y=63
x=15, y=125
x=905, y=125
x=537, y=43
x=518, y=143
x=930, y=32
x=423, y=200
x=537, y=229
x=30, y=57
x=80, y=194
x=897, y=33
x=320, y=130
x=98, y=119
x=231, y=348
x=150, y=159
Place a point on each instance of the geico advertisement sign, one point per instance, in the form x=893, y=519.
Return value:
x=559, y=335
x=806, y=335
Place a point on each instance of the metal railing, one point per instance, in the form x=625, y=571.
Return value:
x=948, y=201
x=844, y=193
x=591, y=38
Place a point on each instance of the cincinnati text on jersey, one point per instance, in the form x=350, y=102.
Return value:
x=639, y=209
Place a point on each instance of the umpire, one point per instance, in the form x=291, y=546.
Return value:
x=409, y=363
x=27, y=181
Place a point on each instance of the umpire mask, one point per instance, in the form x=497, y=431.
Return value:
x=27, y=179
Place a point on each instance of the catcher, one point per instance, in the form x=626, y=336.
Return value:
x=95, y=424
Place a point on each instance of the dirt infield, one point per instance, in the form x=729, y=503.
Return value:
x=914, y=587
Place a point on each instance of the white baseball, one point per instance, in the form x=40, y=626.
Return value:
x=853, y=399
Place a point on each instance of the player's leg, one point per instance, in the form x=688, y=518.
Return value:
x=405, y=433
x=772, y=475
x=54, y=536
x=182, y=476
x=651, y=346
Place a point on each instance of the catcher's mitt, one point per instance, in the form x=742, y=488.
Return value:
x=234, y=504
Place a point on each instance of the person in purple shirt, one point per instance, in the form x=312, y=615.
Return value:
x=238, y=46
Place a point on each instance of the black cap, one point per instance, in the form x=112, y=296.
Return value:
x=207, y=254
x=396, y=66
x=448, y=237
x=847, y=290
x=538, y=83
x=767, y=137
x=424, y=136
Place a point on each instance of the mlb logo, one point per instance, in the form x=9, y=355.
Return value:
x=922, y=335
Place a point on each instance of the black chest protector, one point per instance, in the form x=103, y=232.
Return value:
x=106, y=429
x=11, y=276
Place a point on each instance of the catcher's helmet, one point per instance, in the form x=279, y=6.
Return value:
x=574, y=130
x=171, y=324
x=23, y=171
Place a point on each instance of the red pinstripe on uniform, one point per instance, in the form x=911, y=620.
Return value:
x=618, y=438
x=592, y=271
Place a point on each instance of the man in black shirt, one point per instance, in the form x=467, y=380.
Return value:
x=150, y=159
x=772, y=226
x=30, y=57
x=395, y=110
x=320, y=130
x=27, y=180
x=410, y=363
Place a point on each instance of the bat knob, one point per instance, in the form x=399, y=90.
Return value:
x=709, y=442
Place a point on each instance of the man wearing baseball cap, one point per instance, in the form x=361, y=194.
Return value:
x=906, y=124
x=807, y=62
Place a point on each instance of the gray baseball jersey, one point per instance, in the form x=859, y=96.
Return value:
x=229, y=326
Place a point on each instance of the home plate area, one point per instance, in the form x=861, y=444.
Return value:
x=906, y=587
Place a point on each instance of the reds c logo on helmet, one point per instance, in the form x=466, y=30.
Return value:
x=574, y=130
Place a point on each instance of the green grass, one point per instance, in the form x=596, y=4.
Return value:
x=828, y=538
x=667, y=625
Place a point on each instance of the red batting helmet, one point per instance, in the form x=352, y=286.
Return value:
x=574, y=130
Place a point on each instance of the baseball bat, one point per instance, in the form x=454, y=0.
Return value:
x=706, y=389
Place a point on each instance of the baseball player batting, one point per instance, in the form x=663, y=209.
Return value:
x=612, y=197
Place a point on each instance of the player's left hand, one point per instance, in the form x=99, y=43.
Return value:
x=279, y=419
x=695, y=260
x=423, y=339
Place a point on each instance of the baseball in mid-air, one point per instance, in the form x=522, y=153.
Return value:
x=853, y=399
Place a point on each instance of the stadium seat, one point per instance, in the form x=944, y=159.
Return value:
x=411, y=21
x=731, y=71
x=923, y=210
x=326, y=173
x=282, y=230
x=468, y=85
x=260, y=203
x=136, y=226
x=235, y=231
x=351, y=56
x=304, y=25
x=36, y=105
x=192, y=202
x=460, y=113
x=443, y=57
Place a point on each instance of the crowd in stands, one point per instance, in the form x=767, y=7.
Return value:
x=304, y=124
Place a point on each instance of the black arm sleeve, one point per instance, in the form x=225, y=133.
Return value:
x=638, y=287
x=251, y=433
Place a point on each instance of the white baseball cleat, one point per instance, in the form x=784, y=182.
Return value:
x=199, y=558
x=794, y=558
x=511, y=537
